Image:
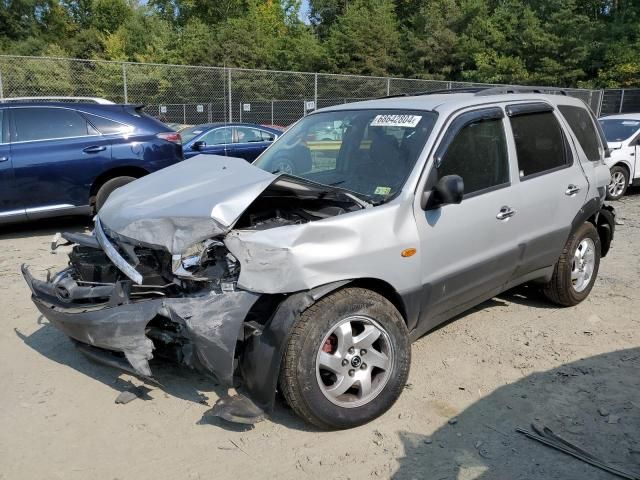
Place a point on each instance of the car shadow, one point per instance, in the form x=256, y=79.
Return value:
x=49, y=226
x=175, y=380
x=593, y=403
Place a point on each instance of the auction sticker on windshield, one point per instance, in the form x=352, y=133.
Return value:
x=409, y=121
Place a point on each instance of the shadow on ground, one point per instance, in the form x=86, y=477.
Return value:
x=49, y=226
x=177, y=381
x=594, y=403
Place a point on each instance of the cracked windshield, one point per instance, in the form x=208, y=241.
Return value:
x=369, y=152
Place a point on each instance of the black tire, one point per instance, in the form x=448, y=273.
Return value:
x=561, y=289
x=107, y=189
x=299, y=382
x=615, y=193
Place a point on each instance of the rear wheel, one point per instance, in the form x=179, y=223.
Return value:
x=107, y=189
x=347, y=359
x=577, y=268
x=619, y=183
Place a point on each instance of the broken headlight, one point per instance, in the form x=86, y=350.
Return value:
x=194, y=257
x=208, y=261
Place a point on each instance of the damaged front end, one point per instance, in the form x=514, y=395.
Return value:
x=168, y=286
x=195, y=322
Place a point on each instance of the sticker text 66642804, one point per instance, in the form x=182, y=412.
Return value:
x=409, y=121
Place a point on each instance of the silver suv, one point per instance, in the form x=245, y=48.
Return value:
x=315, y=281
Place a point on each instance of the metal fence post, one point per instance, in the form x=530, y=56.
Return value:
x=184, y=114
x=272, y=122
x=315, y=90
x=621, y=100
x=124, y=82
x=230, y=101
x=388, y=87
x=1, y=86
x=601, y=100
x=240, y=111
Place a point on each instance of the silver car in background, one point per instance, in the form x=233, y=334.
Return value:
x=312, y=270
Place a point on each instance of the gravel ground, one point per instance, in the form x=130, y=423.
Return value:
x=506, y=363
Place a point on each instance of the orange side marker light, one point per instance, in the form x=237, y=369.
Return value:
x=408, y=252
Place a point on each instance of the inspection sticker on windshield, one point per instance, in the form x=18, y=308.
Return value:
x=396, y=121
x=382, y=191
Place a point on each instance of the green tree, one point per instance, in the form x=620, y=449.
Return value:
x=365, y=39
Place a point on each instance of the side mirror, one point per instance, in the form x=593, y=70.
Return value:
x=449, y=189
x=199, y=145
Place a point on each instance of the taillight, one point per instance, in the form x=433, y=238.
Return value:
x=173, y=137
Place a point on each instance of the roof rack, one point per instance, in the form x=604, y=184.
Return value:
x=515, y=89
x=438, y=92
x=485, y=91
x=101, y=101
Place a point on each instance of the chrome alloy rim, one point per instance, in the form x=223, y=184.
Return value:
x=354, y=362
x=584, y=263
x=616, y=186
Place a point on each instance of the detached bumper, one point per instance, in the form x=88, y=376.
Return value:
x=212, y=322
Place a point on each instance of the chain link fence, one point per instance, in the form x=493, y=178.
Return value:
x=624, y=100
x=192, y=95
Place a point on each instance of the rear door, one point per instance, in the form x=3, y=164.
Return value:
x=249, y=142
x=552, y=186
x=11, y=207
x=56, y=156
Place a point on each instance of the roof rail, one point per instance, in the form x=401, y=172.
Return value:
x=438, y=92
x=101, y=101
x=512, y=89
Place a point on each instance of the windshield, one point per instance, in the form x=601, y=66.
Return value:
x=191, y=132
x=370, y=152
x=618, y=130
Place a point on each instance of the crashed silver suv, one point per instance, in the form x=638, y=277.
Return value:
x=311, y=271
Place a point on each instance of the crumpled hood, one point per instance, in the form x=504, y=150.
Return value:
x=186, y=203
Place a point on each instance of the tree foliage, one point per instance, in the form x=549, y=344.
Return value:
x=587, y=43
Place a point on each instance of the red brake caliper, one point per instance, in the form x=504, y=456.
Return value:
x=330, y=344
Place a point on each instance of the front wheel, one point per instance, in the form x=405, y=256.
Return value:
x=347, y=359
x=619, y=183
x=577, y=268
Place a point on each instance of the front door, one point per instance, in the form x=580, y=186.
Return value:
x=11, y=207
x=469, y=250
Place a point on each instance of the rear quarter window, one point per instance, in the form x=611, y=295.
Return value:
x=106, y=126
x=584, y=129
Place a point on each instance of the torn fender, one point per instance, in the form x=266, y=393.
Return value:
x=260, y=363
x=362, y=244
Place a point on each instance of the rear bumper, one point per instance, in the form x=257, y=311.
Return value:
x=212, y=322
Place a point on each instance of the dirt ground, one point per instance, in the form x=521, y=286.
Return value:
x=508, y=362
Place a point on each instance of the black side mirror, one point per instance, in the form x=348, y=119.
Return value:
x=449, y=189
x=199, y=145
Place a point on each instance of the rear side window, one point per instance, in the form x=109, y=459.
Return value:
x=106, y=126
x=49, y=123
x=478, y=153
x=539, y=143
x=583, y=128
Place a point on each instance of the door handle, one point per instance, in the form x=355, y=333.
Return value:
x=4, y=159
x=505, y=213
x=572, y=190
x=94, y=149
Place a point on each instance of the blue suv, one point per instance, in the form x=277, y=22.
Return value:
x=65, y=158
